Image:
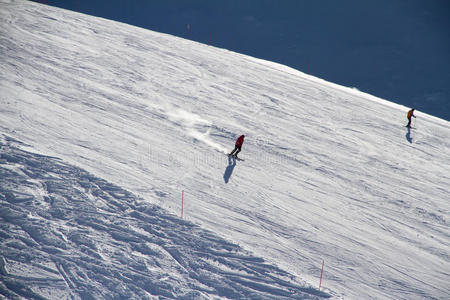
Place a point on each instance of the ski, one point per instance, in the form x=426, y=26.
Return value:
x=236, y=158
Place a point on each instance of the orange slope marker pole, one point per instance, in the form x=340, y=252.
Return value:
x=321, y=273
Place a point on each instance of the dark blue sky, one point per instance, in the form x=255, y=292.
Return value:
x=394, y=49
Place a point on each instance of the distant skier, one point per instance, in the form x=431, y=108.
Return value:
x=410, y=114
x=237, y=146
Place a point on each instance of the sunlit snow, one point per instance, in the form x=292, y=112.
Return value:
x=104, y=126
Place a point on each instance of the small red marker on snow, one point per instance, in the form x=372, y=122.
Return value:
x=321, y=273
x=182, y=200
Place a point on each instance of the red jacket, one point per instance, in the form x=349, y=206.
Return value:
x=240, y=141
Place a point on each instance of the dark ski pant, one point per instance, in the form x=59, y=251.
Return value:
x=409, y=122
x=235, y=151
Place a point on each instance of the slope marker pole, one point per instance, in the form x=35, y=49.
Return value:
x=182, y=200
x=321, y=273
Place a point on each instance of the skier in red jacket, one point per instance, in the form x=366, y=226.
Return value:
x=238, y=146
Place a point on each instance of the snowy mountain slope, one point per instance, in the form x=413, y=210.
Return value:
x=395, y=49
x=329, y=173
x=68, y=235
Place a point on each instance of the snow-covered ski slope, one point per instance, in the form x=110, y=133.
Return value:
x=133, y=117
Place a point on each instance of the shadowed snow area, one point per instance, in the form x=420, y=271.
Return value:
x=68, y=234
x=328, y=173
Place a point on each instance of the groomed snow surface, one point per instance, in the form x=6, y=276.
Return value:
x=105, y=126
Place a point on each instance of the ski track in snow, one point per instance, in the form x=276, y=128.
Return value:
x=68, y=234
x=329, y=173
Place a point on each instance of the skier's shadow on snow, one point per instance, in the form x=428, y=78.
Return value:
x=229, y=169
x=408, y=136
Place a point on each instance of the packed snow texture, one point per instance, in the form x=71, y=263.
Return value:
x=104, y=125
x=68, y=234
